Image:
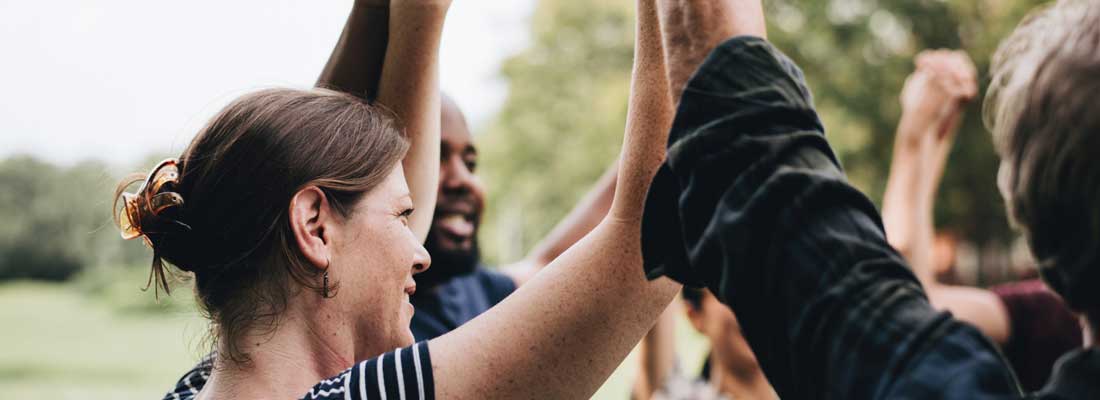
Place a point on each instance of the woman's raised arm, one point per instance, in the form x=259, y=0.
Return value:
x=396, y=65
x=564, y=332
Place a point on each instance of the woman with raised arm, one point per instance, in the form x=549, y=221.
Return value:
x=293, y=211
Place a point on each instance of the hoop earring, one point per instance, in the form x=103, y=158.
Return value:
x=324, y=279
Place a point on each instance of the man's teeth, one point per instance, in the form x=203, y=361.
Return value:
x=456, y=224
x=454, y=218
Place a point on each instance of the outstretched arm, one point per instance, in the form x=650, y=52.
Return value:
x=355, y=65
x=932, y=104
x=585, y=215
x=410, y=88
x=656, y=355
x=768, y=221
x=397, y=65
x=565, y=331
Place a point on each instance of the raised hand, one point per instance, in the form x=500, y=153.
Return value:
x=410, y=87
x=690, y=29
x=945, y=80
x=932, y=102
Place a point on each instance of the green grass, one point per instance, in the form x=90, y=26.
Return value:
x=102, y=338
x=60, y=342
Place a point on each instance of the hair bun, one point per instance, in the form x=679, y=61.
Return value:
x=143, y=212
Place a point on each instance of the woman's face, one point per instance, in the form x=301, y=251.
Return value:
x=374, y=266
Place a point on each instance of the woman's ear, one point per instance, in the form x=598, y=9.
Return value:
x=311, y=218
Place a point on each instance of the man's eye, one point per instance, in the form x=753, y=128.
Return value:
x=471, y=165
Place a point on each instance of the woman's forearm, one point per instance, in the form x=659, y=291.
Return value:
x=410, y=88
x=649, y=118
x=564, y=332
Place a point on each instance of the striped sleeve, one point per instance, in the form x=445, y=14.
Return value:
x=402, y=374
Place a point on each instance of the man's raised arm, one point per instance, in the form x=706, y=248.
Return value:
x=355, y=65
x=396, y=65
x=753, y=203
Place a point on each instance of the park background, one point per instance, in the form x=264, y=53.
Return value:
x=94, y=90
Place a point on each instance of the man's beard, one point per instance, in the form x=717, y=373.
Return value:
x=447, y=264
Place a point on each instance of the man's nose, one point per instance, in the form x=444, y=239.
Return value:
x=455, y=175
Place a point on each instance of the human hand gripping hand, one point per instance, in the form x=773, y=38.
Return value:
x=934, y=95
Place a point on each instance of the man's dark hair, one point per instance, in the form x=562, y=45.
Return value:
x=694, y=297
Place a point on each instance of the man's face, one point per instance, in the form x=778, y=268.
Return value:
x=718, y=323
x=461, y=194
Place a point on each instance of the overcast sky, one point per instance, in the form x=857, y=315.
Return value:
x=118, y=79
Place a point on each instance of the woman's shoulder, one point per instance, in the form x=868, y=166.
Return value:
x=405, y=373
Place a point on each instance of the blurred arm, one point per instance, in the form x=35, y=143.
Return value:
x=932, y=103
x=584, y=216
x=564, y=332
x=657, y=355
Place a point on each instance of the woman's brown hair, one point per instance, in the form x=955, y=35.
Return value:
x=236, y=180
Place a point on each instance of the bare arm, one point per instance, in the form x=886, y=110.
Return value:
x=410, y=88
x=584, y=217
x=355, y=65
x=932, y=103
x=564, y=332
x=657, y=355
x=398, y=64
x=692, y=28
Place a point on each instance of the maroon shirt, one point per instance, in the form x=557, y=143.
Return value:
x=1042, y=329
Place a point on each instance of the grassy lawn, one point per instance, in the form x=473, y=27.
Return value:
x=105, y=339
x=58, y=342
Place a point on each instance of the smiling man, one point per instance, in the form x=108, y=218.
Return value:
x=458, y=287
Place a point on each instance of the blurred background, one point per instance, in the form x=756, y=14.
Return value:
x=94, y=90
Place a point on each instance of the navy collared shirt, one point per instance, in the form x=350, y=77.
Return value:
x=445, y=307
x=752, y=203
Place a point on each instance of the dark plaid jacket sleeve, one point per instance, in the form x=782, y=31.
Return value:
x=752, y=203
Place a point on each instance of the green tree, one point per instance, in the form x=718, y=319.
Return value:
x=564, y=117
x=57, y=220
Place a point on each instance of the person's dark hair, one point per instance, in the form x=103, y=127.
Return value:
x=236, y=180
x=1042, y=107
x=693, y=296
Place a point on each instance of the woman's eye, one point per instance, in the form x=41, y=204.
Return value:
x=405, y=216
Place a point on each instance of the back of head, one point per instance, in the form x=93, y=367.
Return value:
x=236, y=181
x=1043, y=108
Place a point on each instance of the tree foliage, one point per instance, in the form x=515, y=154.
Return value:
x=57, y=220
x=565, y=113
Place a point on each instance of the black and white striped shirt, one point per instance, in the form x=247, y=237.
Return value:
x=402, y=374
